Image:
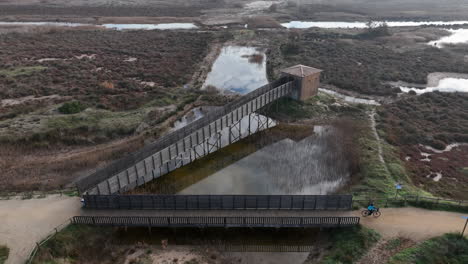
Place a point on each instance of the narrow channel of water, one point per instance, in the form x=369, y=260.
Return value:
x=238, y=69
x=338, y=24
x=457, y=36
x=162, y=26
x=447, y=85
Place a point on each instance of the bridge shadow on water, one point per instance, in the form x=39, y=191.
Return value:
x=186, y=176
x=227, y=240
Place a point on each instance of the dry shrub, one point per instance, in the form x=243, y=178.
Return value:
x=211, y=89
x=107, y=85
x=27, y=168
x=263, y=22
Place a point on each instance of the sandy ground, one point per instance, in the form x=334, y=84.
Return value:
x=25, y=222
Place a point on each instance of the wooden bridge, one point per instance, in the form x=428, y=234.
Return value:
x=216, y=130
x=218, y=211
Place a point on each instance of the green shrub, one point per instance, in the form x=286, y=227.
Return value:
x=4, y=252
x=350, y=244
x=72, y=107
x=449, y=248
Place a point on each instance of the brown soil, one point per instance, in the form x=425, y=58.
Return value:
x=384, y=250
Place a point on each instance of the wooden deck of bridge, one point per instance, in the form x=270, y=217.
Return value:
x=217, y=213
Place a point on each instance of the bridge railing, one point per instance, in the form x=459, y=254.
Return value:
x=135, y=157
x=414, y=200
x=218, y=202
x=208, y=221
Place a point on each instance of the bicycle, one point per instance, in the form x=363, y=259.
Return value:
x=376, y=213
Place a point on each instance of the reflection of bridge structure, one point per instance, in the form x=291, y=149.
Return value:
x=232, y=123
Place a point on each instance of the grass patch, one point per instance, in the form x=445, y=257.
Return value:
x=21, y=71
x=438, y=206
x=393, y=244
x=350, y=244
x=449, y=248
x=68, y=245
x=4, y=252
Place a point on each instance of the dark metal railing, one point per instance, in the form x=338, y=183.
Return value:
x=209, y=221
x=218, y=202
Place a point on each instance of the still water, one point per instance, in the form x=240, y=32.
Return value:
x=163, y=26
x=238, y=69
x=313, y=165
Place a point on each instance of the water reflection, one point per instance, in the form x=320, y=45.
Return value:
x=337, y=24
x=191, y=116
x=200, y=169
x=314, y=165
x=448, y=85
x=164, y=26
x=238, y=69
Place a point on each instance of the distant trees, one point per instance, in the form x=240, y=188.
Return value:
x=375, y=29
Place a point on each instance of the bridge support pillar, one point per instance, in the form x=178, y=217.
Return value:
x=307, y=81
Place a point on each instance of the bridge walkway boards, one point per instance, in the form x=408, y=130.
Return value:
x=218, y=213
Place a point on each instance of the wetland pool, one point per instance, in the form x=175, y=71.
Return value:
x=238, y=70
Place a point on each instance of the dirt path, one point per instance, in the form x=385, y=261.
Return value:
x=377, y=137
x=414, y=223
x=25, y=222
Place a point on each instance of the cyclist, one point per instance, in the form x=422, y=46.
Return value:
x=371, y=208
